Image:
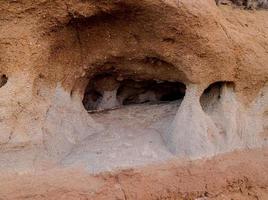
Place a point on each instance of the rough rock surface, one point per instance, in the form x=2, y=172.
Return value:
x=238, y=176
x=60, y=59
x=248, y=4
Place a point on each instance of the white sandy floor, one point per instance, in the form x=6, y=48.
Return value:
x=132, y=137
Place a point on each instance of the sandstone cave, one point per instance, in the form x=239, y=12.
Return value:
x=94, y=102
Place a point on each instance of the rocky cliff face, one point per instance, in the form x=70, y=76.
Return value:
x=187, y=79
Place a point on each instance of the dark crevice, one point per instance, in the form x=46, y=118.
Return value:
x=133, y=92
x=3, y=80
x=108, y=91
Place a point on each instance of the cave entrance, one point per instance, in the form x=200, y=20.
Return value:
x=107, y=91
x=131, y=135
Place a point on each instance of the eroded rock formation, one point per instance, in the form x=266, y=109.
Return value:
x=188, y=79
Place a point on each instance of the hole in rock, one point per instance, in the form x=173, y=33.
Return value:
x=218, y=99
x=212, y=95
x=107, y=91
x=132, y=134
x=3, y=80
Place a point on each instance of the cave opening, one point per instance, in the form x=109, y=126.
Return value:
x=212, y=95
x=108, y=91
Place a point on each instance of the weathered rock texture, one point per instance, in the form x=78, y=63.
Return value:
x=248, y=4
x=52, y=51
